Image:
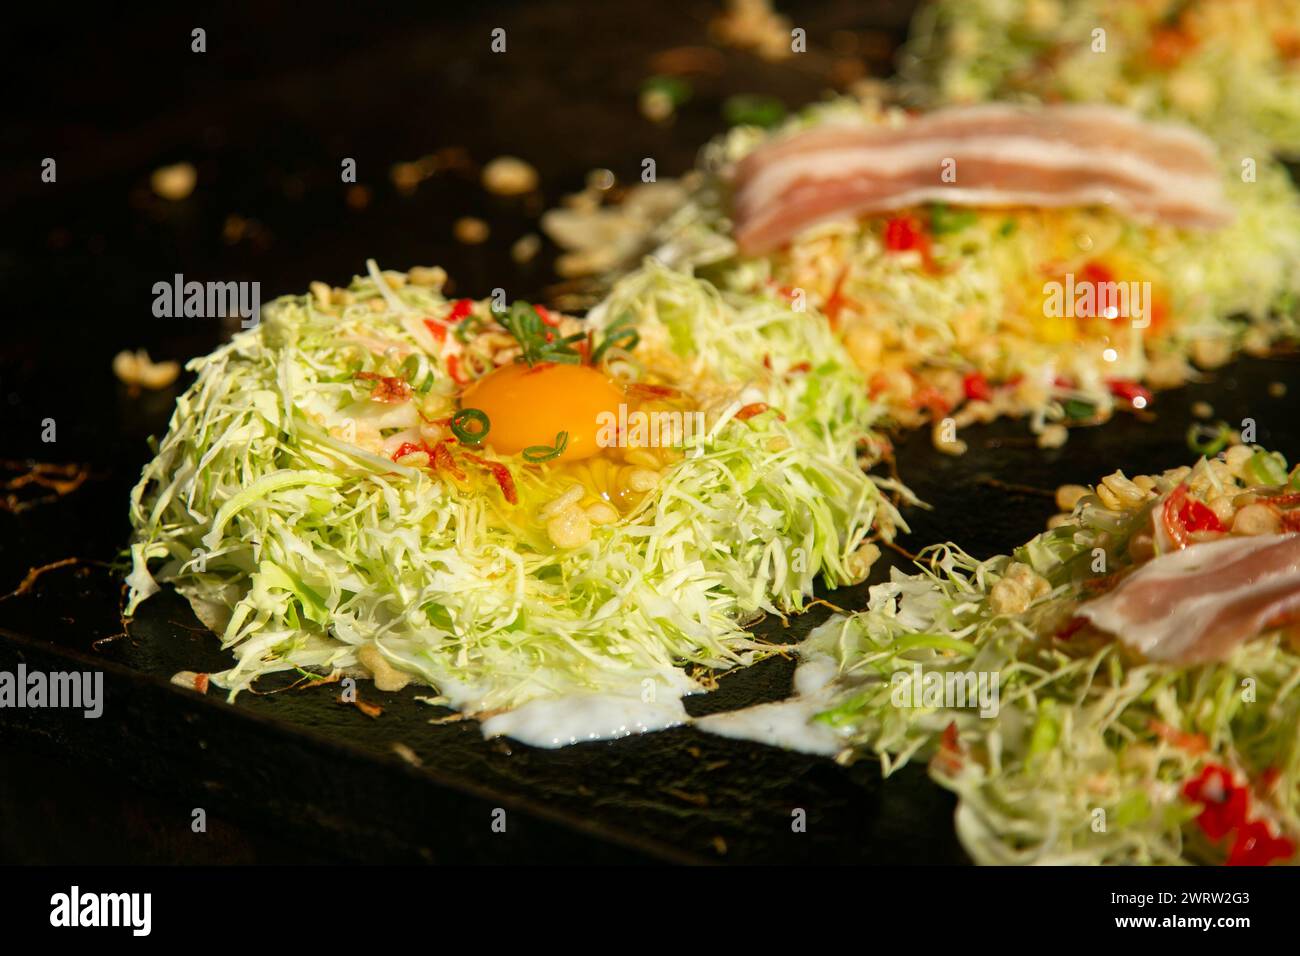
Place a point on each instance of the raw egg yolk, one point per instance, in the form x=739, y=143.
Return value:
x=530, y=406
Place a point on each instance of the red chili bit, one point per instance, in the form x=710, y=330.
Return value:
x=835, y=301
x=201, y=683
x=976, y=387
x=443, y=460
x=459, y=310
x=437, y=330
x=1072, y=627
x=930, y=398
x=1129, y=391
x=546, y=316
x=410, y=448
x=1192, y=743
x=749, y=411
x=501, y=473
x=453, y=369
x=800, y=368
x=1224, y=804
x=905, y=233
x=1254, y=845
x=652, y=391
x=1097, y=273
x=950, y=757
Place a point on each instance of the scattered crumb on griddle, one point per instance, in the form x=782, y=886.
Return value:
x=525, y=248
x=174, y=182
x=1277, y=389
x=1202, y=409
x=357, y=196
x=509, y=176
x=137, y=370
x=471, y=230
x=406, y=753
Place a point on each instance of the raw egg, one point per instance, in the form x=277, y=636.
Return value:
x=530, y=406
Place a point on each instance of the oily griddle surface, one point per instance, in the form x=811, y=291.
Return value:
x=266, y=117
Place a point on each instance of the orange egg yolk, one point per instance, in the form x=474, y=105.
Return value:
x=531, y=406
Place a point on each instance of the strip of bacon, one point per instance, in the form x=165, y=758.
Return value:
x=997, y=155
x=1198, y=603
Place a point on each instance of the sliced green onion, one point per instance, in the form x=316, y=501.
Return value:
x=749, y=110
x=1265, y=468
x=945, y=219
x=1007, y=228
x=1295, y=477
x=1077, y=410
x=1208, y=440
x=618, y=334
x=540, y=453
x=676, y=89
x=470, y=426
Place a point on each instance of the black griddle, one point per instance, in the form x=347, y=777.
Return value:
x=267, y=116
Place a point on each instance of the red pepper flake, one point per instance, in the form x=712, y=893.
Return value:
x=1224, y=804
x=453, y=369
x=1254, y=845
x=653, y=391
x=437, y=330
x=410, y=448
x=459, y=310
x=801, y=367
x=905, y=233
x=501, y=473
x=836, y=300
x=1169, y=46
x=443, y=460
x=749, y=411
x=1130, y=392
x=1096, y=273
x=1072, y=627
x=930, y=398
x=976, y=387
x=547, y=317
x=767, y=362
x=1183, y=515
x=1192, y=743
x=950, y=756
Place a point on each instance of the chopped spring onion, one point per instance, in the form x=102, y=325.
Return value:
x=470, y=426
x=619, y=334
x=1265, y=468
x=1208, y=440
x=536, y=454
x=751, y=110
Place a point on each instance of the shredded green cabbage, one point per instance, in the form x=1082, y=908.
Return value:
x=1088, y=753
x=305, y=546
x=1223, y=66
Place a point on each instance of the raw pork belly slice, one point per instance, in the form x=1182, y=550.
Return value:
x=1053, y=156
x=1198, y=603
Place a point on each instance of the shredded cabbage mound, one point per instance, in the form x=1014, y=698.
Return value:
x=964, y=326
x=1227, y=66
x=1094, y=755
x=275, y=506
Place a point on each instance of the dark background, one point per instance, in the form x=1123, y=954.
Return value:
x=282, y=95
